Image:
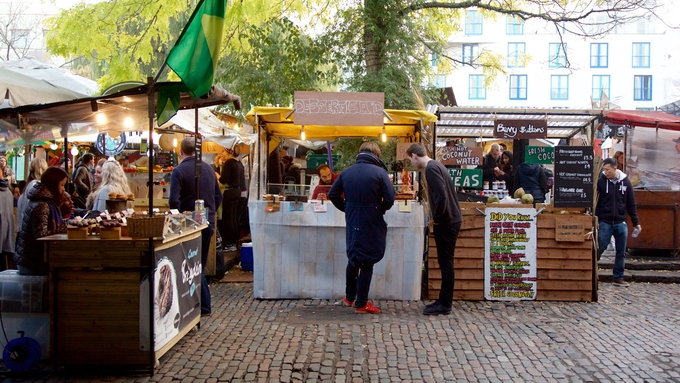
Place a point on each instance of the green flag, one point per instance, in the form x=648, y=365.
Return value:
x=194, y=56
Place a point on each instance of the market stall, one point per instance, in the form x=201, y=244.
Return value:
x=299, y=245
x=520, y=251
x=651, y=146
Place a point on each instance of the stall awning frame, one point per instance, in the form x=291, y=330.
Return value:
x=461, y=122
x=644, y=118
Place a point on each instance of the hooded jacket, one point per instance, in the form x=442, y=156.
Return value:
x=41, y=218
x=6, y=218
x=615, y=198
x=368, y=194
x=531, y=178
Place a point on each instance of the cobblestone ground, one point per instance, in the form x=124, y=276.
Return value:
x=631, y=335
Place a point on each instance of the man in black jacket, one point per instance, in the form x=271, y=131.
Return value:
x=615, y=198
x=447, y=219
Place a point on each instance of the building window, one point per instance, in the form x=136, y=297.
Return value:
x=20, y=38
x=474, y=22
x=641, y=55
x=518, y=87
x=558, y=55
x=600, y=85
x=477, y=89
x=645, y=109
x=516, y=53
x=440, y=81
x=434, y=59
x=559, y=87
x=599, y=55
x=514, y=26
x=643, y=88
x=469, y=54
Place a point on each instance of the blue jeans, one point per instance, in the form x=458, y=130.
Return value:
x=620, y=233
x=206, y=235
x=359, y=275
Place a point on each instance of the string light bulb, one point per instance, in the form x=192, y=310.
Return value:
x=174, y=142
x=74, y=151
x=53, y=146
x=303, y=136
x=383, y=135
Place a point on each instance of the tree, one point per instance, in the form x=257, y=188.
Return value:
x=18, y=30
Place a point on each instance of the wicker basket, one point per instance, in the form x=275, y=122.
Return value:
x=146, y=227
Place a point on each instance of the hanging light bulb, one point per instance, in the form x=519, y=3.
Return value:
x=74, y=151
x=127, y=122
x=53, y=146
x=383, y=136
x=101, y=118
x=174, y=142
x=303, y=136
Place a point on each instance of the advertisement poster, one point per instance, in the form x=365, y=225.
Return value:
x=510, y=254
x=177, y=290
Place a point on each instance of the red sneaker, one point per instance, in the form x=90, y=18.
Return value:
x=368, y=309
x=347, y=302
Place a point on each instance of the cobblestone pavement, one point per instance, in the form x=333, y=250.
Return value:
x=631, y=335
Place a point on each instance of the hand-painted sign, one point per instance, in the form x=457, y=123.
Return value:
x=520, y=129
x=466, y=178
x=544, y=155
x=339, y=108
x=574, y=176
x=460, y=155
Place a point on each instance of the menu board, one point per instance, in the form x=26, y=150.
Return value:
x=510, y=254
x=164, y=159
x=573, y=176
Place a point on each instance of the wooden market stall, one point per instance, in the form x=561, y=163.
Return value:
x=549, y=254
x=299, y=247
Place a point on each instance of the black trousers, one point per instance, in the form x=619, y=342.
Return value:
x=445, y=237
x=228, y=225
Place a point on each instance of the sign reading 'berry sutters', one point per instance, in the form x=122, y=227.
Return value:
x=520, y=129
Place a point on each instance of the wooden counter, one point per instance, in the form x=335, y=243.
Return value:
x=301, y=254
x=100, y=298
x=564, y=268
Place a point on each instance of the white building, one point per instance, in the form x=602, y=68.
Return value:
x=636, y=67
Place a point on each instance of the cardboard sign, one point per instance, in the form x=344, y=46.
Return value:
x=569, y=229
x=339, y=108
x=520, y=129
x=211, y=147
x=544, y=155
x=402, y=147
x=459, y=155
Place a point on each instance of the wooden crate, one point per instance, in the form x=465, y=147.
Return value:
x=564, y=268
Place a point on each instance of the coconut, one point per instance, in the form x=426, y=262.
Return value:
x=528, y=199
x=519, y=193
x=493, y=199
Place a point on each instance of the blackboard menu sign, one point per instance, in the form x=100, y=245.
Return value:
x=573, y=176
x=164, y=159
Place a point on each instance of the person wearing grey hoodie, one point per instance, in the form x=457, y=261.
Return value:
x=6, y=219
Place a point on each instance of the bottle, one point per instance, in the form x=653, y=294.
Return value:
x=636, y=232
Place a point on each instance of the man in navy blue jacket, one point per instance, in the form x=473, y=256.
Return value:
x=183, y=197
x=615, y=198
x=368, y=194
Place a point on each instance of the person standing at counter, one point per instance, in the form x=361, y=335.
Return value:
x=326, y=179
x=368, y=194
x=82, y=180
x=615, y=198
x=491, y=162
x=183, y=198
x=42, y=217
x=447, y=219
x=7, y=233
x=114, y=182
x=36, y=169
x=233, y=180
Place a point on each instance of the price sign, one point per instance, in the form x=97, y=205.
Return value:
x=574, y=177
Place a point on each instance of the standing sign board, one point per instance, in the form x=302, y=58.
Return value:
x=339, y=108
x=460, y=155
x=510, y=254
x=520, y=129
x=544, y=155
x=573, y=176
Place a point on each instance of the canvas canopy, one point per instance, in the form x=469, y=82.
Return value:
x=644, y=118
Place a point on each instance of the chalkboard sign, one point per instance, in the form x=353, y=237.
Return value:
x=573, y=176
x=164, y=158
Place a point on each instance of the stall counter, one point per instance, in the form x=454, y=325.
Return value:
x=301, y=254
x=100, y=299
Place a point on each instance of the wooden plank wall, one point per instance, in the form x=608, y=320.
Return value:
x=564, y=269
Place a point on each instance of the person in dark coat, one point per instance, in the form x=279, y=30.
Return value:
x=42, y=218
x=368, y=194
x=615, y=199
x=504, y=171
x=82, y=180
x=491, y=163
x=7, y=233
x=183, y=198
x=531, y=178
x=233, y=180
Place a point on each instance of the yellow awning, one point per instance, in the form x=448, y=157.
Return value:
x=404, y=123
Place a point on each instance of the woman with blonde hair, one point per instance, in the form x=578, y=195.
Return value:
x=35, y=170
x=113, y=182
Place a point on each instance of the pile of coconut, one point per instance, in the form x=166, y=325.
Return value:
x=520, y=197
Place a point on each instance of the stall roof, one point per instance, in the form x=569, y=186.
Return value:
x=123, y=111
x=644, y=118
x=404, y=123
x=478, y=121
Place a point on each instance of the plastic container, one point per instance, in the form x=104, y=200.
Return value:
x=636, y=232
x=36, y=326
x=247, y=256
x=23, y=293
